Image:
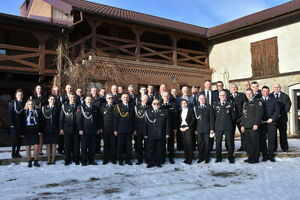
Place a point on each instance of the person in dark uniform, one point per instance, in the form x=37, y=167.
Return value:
x=16, y=122
x=224, y=115
x=186, y=124
x=32, y=132
x=88, y=124
x=116, y=95
x=220, y=87
x=162, y=89
x=285, y=104
x=156, y=129
x=96, y=102
x=55, y=93
x=238, y=99
x=205, y=123
x=132, y=95
x=79, y=97
x=211, y=97
x=68, y=129
x=39, y=100
x=50, y=124
x=251, y=120
x=65, y=97
x=123, y=129
x=140, y=109
x=256, y=91
x=102, y=96
x=150, y=93
x=268, y=126
x=171, y=108
x=107, y=130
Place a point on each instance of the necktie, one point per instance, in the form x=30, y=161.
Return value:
x=31, y=118
x=207, y=96
x=277, y=95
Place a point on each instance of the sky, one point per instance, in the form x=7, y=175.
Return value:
x=206, y=13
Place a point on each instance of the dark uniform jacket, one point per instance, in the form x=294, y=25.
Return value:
x=117, y=98
x=271, y=109
x=224, y=116
x=252, y=113
x=124, y=118
x=50, y=119
x=80, y=100
x=285, y=104
x=88, y=119
x=238, y=100
x=204, y=118
x=190, y=119
x=156, y=124
x=35, y=116
x=171, y=108
x=96, y=102
x=107, y=118
x=16, y=117
x=139, y=110
x=133, y=98
x=40, y=101
x=64, y=99
x=67, y=119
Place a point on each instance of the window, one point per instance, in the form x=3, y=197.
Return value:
x=264, y=57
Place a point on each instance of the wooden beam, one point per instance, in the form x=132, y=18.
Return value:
x=174, y=40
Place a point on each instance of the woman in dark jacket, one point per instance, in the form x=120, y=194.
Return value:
x=186, y=127
x=16, y=122
x=39, y=100
x=32, y=132
x=50, y=117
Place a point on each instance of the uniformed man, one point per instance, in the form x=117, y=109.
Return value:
x=79, y=97
x=162, y=89
x=140, y=109
x=143, y=91
x=220, y=87
x=172, y=111
x=255, y=88
x=251, y=120
x=157, y=128
x=123, y=128
x=116, y=95
x=102, y=96
x=68, y=128
x=96, y=102
x=65, y=97
x=268, y=126
x=150, y=92
x=205, y=123
x=89, y=126
x=107, y=130
x=238, y=99
x=285, y=104
x=132, y=95
x=224, y=115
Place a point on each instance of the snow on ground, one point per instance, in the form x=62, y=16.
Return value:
x=279, y=180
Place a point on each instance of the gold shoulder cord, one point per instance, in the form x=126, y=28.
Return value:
x=122, y=115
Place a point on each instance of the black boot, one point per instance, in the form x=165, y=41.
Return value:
x=36, y=164
x=29, y=164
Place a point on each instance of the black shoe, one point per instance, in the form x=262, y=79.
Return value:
x=265, y=158
x=36, y=164
x=139, y=163
x=92, y=162
x=67, y=163
x=272, y=159
x=128, y=162
x=150, y=166
x=77, y=163
x=159, y=165
x=207, y=161
x=104, y=162
x=218, y=160
x=185, y=161
x=200, y=161
x=247, y=160
x=121, y=163
x=253, y=161
x=53, y=162
x=231, y=160
x=189, y=162
x=172, y=161
x=114, y=162
x=83, y=164
x=29, y=164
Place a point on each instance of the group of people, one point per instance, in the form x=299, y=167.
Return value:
x=77, y=124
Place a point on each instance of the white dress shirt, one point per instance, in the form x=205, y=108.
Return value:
x=183, y=116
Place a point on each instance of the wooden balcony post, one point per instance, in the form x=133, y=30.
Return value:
x=175, y=39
